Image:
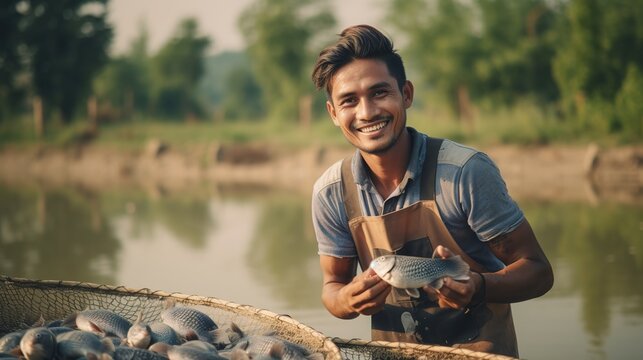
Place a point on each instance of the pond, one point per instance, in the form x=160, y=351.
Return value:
x=256, y=246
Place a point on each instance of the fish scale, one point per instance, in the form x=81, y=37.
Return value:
x=107, y=322
x=186, y=320
x=412, y=272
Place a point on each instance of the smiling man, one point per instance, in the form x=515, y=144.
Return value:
x=405, y=193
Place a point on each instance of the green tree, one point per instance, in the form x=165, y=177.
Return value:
x=603, y=40
x=279, y=35
x=11, y=93
x=123, y=86
x=483, y=49
x=242, y=99
x=176, y=71
x=67, y=42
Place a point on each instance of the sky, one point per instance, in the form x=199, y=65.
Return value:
x=216, y=18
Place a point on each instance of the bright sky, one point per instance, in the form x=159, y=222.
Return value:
x=216, y=18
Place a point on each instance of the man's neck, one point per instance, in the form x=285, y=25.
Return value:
x=387, y=169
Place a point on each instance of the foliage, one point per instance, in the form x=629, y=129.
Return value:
x=483, y=49
x=67, y=44
x=278, y=34
x=123, y=85
x=11, y=65
x=176, y=71
x=599, y=61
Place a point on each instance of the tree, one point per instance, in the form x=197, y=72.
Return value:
x=11, y=93
x=481, y=49
x=176, y=71
x=603, y=46
x=67, y=42
x=279, y=34
x=123, y=86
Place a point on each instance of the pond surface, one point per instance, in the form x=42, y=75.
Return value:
x=257, y=247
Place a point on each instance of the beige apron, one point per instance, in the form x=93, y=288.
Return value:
x=416, y=230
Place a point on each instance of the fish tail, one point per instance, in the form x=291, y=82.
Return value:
x=458, y=268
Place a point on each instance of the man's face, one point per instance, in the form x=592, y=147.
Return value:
x=368, y=106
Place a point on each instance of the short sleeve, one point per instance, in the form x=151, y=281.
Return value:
x=331, y=224
x=484, y=199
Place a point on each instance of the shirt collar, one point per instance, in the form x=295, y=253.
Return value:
x=413, y=169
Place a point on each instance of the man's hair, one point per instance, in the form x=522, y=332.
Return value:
x=357, y=42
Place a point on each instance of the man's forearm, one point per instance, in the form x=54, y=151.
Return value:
x=523, y=280
x=333, y=301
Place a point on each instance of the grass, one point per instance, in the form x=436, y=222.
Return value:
x=523, y=125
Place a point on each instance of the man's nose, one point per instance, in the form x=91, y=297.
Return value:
x=366, y=110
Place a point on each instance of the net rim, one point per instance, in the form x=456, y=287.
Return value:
x=417, y=347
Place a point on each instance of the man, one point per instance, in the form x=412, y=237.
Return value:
x=405, y=193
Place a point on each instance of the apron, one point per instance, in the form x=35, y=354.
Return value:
x=416, y=230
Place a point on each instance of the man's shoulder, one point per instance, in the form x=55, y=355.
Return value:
x=453, y=153
x=331, y=177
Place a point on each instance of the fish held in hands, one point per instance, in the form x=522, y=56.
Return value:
x=411, y=272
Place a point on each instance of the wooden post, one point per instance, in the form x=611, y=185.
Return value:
x=305, y=111
x=38, y=116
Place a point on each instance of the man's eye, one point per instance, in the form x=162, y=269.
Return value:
x=348, y=101
x=379, y=93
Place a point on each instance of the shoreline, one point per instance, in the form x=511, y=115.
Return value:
x=563, y=173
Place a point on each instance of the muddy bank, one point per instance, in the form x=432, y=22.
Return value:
x=560, y=173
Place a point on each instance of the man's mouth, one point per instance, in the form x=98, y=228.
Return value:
x=373, y=128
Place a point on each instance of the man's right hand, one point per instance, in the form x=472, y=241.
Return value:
x=347, y=295
x=366, y=293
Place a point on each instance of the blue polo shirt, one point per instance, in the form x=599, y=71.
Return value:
x=471, y=196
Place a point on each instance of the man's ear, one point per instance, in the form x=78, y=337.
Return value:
x=407, y=94
x=331, y=111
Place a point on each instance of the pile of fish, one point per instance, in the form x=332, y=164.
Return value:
x=183, y=333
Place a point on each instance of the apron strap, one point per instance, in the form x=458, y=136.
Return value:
x=429, y=169
x=349, y=190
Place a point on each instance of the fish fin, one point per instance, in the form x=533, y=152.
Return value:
x=105, y=357
x=413, y=292
x=191, y=335
x=160, y=348
x=70, y=321
x=39, y=323
x=169, y=303
x=239, y=354
x=220, y=338
x=277, y=350
x=437, y=283
x=17, y=352
x=95, y=328
x=237, y=330
x=108, y=345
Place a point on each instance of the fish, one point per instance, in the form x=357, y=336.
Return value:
x=411, y=272
x=11, y=341
x=100, y=321
x=191, y=350
x=79, y=343
x=129, y=353
x=189, y=323
x=142, y=335
x=38, y=344
x=266, y=346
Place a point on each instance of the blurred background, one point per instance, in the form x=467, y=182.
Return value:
x=172, y=145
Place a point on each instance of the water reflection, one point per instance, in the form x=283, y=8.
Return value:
x=284, y=251
x=56, y=234
x=258, y=248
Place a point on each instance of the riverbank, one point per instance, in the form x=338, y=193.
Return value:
x=562, y=173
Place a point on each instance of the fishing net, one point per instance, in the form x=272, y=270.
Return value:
x=23, y=302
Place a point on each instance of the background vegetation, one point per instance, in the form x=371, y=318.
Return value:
x=527, y=71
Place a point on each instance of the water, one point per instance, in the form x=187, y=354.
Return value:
x=257, y=247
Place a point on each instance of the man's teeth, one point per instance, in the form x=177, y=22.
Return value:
x=373, y=128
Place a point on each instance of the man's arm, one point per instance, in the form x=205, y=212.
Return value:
x=346, y=295
x=527, y=275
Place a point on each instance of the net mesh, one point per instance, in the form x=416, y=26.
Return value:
x=24, y=302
